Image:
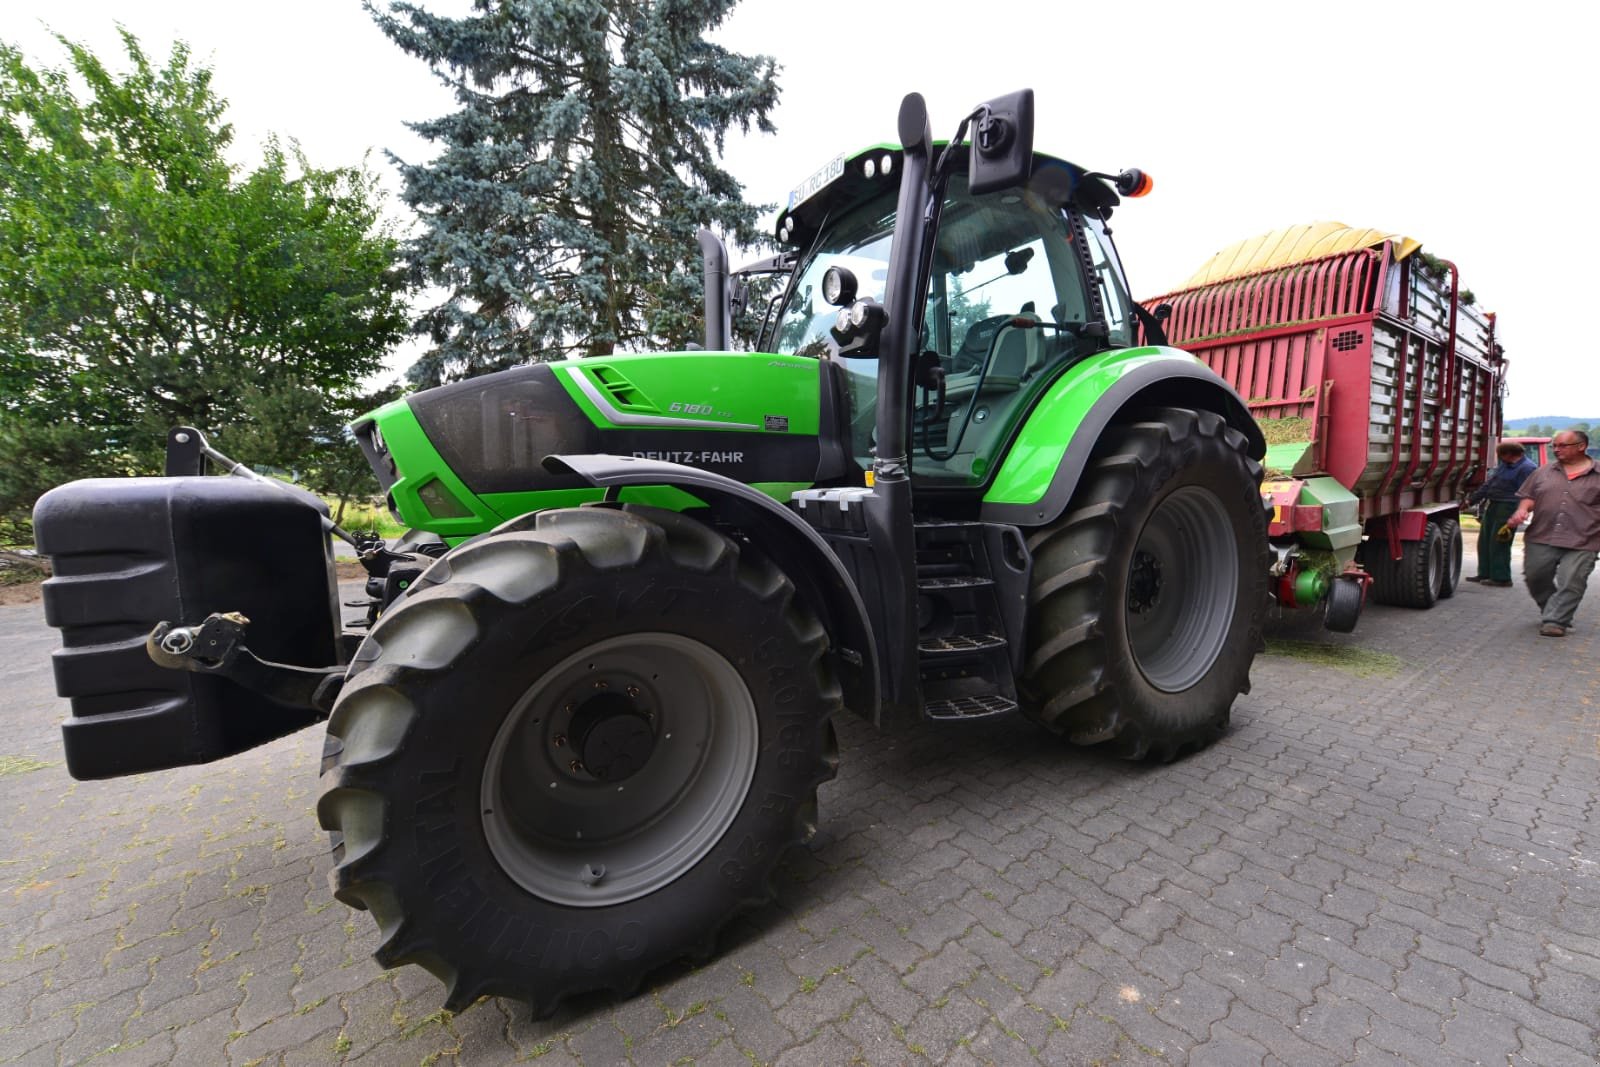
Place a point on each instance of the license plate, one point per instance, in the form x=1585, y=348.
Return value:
x=816, y=183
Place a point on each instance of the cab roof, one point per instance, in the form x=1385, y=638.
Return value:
x=846, y=180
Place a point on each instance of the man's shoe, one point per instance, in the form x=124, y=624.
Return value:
x=1496, y=583
x=1551, y=629
x=1477, y=578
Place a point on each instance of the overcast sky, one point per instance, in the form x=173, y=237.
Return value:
x=1466, y=126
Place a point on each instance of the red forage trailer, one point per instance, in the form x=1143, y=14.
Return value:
x=1377, y=381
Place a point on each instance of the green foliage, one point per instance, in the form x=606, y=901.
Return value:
x=145, y=284
x=560, y=213
x=38, y=453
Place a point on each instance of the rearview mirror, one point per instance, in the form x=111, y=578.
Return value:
x=1002, y=144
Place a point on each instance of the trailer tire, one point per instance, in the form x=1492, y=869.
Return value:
x=1149, y=593
x=1450, y=573
x=1374, y=556
x=1416, y=577
x=574, y=751
x=1343, y=607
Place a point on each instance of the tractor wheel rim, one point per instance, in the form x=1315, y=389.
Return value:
x=654, y=805
x=1183, y=583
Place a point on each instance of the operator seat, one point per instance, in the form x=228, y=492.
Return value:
x=1020, y=351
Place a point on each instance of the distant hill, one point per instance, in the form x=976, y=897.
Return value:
x=1560, y=422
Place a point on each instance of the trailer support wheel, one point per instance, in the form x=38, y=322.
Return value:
x=1343, y=606
x=574, y=751
x=1149, y=593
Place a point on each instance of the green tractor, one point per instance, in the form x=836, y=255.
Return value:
x=594, y=701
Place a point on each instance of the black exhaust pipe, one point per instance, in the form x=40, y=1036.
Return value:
x=716, y=266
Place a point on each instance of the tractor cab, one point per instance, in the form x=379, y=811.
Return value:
x=1021, y=284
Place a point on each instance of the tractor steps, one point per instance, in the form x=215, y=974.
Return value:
x=959, y=644
x=966, y=660
x=965, y=709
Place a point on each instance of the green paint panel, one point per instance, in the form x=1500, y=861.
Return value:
x=1341, y=517
x=740, y=390
x=743, y=389
x=1282, y=457
x=424, y=477
x=1028, y=469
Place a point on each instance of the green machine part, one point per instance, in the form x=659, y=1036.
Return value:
x=629, y=401
x=1326, y=553
x=1341, y=519
x=1030, y=466
x=1311, y=584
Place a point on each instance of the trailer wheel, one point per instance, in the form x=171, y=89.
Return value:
x=574, y=751
x=1149, y=593
x=1414, y=580
x=1343, y=606
x=1450, y=572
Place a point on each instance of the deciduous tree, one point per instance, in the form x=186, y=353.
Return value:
x=146, y=282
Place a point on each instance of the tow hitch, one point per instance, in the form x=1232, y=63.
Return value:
x=217, y=646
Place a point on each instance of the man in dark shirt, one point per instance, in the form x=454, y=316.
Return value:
x=1558, y=551
x=1499, y=491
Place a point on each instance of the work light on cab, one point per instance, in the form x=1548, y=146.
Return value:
x=838, y=286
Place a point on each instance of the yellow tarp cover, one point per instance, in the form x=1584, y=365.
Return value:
x=1293, y=244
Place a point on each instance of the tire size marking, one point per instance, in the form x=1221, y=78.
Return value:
x=740, y=869
x=777, y=805
x=629, y=604
x=579, y=616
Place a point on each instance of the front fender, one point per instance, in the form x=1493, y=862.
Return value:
x=1040, y=473
x=818, y=575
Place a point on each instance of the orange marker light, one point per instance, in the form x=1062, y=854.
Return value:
x=1134, y=182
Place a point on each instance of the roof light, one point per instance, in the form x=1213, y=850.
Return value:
x=1134, y=182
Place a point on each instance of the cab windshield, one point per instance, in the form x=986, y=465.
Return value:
x=1017, y=290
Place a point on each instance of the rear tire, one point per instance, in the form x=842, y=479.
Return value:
x=574, y=751
x=1450, y=575
x=1150, y=592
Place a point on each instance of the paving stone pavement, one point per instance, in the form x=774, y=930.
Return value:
x=1392, y=856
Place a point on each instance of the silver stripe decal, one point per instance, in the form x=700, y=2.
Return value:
x=623, y=418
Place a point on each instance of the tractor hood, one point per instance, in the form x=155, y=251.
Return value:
x=461, y=458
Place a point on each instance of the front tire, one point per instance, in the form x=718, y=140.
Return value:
x=1150, y=592
x=574, y=751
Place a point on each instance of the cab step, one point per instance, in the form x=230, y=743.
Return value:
x=967, y=709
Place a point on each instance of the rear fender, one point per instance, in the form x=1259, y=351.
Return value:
x=800, y=551
x=1409, y=525
x=1038, y=476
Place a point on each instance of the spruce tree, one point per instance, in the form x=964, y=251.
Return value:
x=559, y=217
